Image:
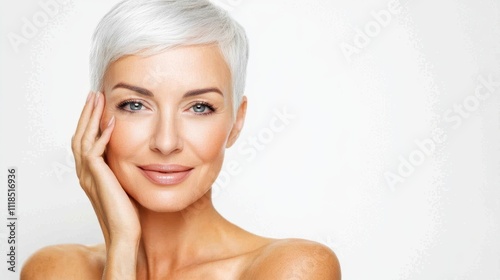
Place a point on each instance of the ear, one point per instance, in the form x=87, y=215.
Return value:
x=238, y=123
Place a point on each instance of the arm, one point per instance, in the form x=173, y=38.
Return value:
x=118, y=265
x=116, y=213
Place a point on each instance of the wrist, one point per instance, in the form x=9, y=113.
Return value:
x=123, y=243
x=128, y=237
x=121, y=259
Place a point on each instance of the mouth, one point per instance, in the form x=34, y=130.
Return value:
x=166, y=175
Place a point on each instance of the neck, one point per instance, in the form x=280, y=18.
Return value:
x=171, y=241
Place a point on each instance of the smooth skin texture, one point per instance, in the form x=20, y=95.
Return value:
x=153, y=231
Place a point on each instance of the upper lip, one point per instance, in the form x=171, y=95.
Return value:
x=165, y=168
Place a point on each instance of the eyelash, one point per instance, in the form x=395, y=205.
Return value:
x=122, y=105
x=210, y=107
x=125, y=103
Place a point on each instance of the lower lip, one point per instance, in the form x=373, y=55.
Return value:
x=166, y=179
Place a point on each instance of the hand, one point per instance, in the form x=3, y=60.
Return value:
x=116, y=212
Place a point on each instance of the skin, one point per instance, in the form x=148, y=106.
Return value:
x=167, y=232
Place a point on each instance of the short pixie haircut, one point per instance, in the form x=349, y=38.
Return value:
x=148, y=27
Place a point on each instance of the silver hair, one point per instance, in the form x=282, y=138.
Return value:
x=152, y=26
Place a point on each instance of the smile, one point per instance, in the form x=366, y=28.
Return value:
x=166, y=175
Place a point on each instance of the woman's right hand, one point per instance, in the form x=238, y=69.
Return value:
x=116, y=212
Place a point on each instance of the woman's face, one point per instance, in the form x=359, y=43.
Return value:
x=174, y=119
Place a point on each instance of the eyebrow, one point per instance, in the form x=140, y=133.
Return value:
x=140, y=90
x=195, y=92
x=147, y=92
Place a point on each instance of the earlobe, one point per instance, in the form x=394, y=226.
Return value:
x=238, y=123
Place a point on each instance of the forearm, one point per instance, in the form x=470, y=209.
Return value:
x=121, y=261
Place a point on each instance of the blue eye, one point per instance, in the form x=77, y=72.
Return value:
x=203, y=108
x=135, y=106
x=131, y=106
x=199, y=108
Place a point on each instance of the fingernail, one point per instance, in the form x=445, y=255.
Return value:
x=97, y=94
x=88, y=97
x=111, y=121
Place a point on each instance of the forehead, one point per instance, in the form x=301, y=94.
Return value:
x=177, y=69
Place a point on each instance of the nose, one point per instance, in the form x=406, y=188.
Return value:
x=166, y=138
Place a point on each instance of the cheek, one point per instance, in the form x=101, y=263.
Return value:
x=208, y=139
x=126, y=137
x=126, y=140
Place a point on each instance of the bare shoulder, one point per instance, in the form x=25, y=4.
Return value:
x=295, y=259
x=69, y=261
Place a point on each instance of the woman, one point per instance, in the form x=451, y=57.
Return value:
x=169, y=79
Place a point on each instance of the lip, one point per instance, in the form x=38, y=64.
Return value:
x=165, y=174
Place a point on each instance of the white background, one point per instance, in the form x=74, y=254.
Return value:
x=321, y=177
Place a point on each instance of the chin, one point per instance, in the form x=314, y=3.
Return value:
x=167, y=199
x=167, y=192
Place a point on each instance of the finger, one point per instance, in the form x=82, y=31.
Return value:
x=84, y=116
x=82, y=124
x=92, y=129
x=83, y=120
x=100, y=144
